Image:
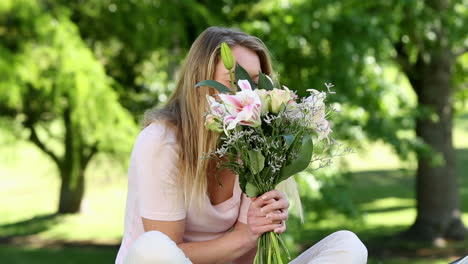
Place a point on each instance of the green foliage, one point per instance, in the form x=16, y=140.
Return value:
x=354, y=44
x=50, y=70
x=141, y=43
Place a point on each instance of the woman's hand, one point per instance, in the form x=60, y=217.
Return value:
x=268, y=212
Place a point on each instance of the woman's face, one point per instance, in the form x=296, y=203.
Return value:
x=246, y=58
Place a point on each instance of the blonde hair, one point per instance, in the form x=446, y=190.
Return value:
x=185, y=109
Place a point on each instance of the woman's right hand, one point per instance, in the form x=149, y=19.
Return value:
x=262, y=218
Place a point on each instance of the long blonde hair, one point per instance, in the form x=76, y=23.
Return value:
x=185, y=109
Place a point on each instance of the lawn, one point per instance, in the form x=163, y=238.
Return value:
x=31, y=233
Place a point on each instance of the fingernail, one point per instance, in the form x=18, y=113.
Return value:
x=268, y=216
x=277, y=230
x=264, y=197
x=261, y=210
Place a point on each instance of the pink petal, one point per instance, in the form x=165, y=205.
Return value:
x=233, y=100
x=244, y=85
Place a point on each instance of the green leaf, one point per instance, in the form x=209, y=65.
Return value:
x=251, y=190
x=242, y=74
x=214, y=84
x=289, y=138
x=256, y=161
x=302, y=161
x=243, y=181
x=264, y=82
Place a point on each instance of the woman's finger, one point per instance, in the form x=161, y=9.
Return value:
x=278, y=216
x=256, y=206
x=259, y=230
x=258, y=202
x=278, y=205
x=273, y=194
x=280, y=229
x=262, y=220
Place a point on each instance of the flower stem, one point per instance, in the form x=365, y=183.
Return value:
x=257, y=256
x=232, y=81
x=283, y=245
x=269, y=255
x=275, y=247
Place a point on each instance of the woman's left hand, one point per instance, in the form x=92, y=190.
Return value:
x=275, y=208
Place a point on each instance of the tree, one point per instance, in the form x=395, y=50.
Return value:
x=350, y=43
x=59, y=91
x=431, y=36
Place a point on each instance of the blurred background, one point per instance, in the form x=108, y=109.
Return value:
x=77, y=75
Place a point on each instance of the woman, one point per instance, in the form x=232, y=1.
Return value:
x=177, y=212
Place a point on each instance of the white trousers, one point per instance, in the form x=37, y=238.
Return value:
x=340, y=247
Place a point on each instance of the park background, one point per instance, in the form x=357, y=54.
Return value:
x=77, y=75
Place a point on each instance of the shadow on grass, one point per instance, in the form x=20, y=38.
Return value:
x=51, y=255
x=387, y=209
x=369, y=186
x=27, y=227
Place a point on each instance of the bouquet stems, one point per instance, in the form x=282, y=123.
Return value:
x=269, y=249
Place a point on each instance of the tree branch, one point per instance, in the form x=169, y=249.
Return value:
x=402, y=57
x=411, y=70
x=89, y=156
x=8, y=111
x=35, y=139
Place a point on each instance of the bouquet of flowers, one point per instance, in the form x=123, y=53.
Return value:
x=267, y=135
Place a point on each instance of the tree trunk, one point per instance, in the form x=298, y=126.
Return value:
x=71, y=190
x=438, y=204
x=72, y=169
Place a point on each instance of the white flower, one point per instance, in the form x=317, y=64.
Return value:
x=264, y=98
x=316, y=113
x=277, y=98
x=217, y=109
x=293, y=110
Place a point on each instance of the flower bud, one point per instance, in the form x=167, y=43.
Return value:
x=226, y=56
x=213, y=124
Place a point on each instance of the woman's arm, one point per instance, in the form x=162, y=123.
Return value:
x=221, y=250
x=240, y=242
x=224, y=249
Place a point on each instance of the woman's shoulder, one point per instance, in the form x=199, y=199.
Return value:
x=157, y=133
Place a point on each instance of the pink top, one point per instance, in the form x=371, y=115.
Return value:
x=153, y=193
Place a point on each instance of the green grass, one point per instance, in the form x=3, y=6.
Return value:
x=31, y=233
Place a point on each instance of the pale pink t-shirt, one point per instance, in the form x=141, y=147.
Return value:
x=154, y=194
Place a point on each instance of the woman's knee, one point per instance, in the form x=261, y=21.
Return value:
x=356, y=249
x=156, y=248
